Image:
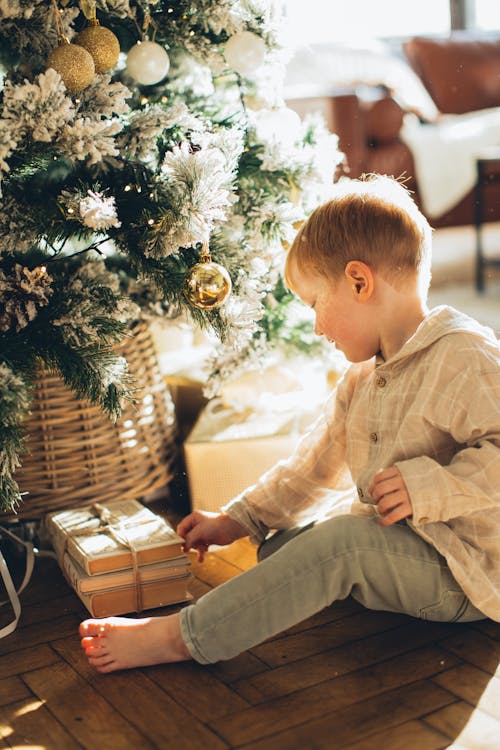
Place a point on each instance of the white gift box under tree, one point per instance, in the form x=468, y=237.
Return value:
x=230, y=446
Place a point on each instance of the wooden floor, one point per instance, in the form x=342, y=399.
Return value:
x=346, y=678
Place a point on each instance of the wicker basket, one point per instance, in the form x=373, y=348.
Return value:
x=78, y=456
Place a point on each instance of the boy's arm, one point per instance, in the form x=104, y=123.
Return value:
x=470, y=482
x=284, y=494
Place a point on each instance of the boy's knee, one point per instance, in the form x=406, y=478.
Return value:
x=345, y=533
x=342, y=534
x=335, y=537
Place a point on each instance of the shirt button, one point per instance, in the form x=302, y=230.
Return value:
x=423, y=520
x=380, y=381
x=373, y=437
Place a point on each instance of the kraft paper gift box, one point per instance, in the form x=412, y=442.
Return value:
x=188, y=398
x=230, y=446
x=120, y=557
x=122, y=592
x=106, y=537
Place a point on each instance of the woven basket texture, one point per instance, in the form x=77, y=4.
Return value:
x=78, y=456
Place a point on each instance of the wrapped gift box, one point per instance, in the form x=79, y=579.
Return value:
x=120, y=557
x=188, y=398
x=106, y=537
x=231, y=446
x=117, y=593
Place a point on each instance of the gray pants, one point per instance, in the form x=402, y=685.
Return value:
x=301, y=571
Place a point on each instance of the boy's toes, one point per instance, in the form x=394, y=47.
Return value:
x=93, y=648
x=89, y=627
x=87, y=642
x=103, y=663
x=93, y=628
x=100, y=661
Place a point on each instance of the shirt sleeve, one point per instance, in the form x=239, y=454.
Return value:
x=295, y=489
x=467, y=408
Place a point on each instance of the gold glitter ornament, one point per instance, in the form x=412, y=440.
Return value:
x=102, y=45
x=207, y=284
x=74, y=64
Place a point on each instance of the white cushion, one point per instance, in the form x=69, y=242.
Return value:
x=317, y=70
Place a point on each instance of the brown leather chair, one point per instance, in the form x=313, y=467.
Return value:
x=461, y=73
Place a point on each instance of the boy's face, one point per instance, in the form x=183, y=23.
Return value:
x=340, y=316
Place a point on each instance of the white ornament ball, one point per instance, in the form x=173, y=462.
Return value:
x=245, y=52
x=279, y=125
x=148, y=62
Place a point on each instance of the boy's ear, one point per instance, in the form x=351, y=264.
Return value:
x=360, y=277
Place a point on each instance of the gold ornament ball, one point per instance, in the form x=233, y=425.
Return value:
x=74, y=64
x=207, y=285
x=102, y=45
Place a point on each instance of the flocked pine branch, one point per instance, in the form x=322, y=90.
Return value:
x=109, y=193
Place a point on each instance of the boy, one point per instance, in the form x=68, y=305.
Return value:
x=405, y=460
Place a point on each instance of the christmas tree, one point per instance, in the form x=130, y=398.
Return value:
x=149, y=167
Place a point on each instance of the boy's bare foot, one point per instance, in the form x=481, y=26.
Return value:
x=115, y=643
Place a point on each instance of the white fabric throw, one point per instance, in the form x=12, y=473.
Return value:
x=445, y=155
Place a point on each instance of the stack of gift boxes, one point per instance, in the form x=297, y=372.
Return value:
x=120, y=557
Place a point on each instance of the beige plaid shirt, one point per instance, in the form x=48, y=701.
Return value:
x=433, y=410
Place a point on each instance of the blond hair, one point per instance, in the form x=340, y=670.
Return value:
x=374, y=220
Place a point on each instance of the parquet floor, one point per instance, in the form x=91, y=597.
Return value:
x=346, y=678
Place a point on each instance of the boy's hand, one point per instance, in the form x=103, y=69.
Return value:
x=391, y=496
x=201, y=529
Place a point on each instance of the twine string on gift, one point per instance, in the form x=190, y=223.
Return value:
x=119, y=534
x=117, y=529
